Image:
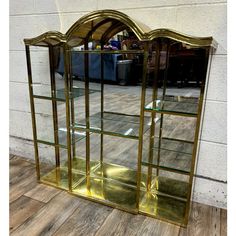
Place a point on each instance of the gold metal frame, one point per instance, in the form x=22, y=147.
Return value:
x=141, y=196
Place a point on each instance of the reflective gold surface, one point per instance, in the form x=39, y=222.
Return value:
x=83, y=27
x=115, y=185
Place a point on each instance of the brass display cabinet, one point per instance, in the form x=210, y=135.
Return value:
x=129, y=143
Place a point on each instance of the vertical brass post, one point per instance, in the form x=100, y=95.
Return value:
x=153, y=114
x=205, y=75
x=162, y=106
x=67, y=87
x=30, y=84
x=86, y=75
x=102, y=104
x=72, y=104
x=141, y=122
x=54, y=111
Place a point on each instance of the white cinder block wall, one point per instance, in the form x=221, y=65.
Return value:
x=29, y=18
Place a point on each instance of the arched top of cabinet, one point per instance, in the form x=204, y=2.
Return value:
x=103, y=24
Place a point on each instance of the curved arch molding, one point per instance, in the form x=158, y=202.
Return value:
x=142, y=32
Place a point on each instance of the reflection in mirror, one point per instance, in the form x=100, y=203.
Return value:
x=180, y=77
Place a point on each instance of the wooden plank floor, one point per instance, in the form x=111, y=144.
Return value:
x=36, y=209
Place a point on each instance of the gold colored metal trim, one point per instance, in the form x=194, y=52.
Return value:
x=36, y=153
x=197, y=129
x=111, y=14
x=67, y=87
x=180, y=37
x=153, y=114
x=45, y=38
x=141, y=126
x=118, y=21
x=141, y=33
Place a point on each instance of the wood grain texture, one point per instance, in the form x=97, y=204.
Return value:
x=18, y=166
x=121, y=223
x=86, y=220
x=50, y=217
x=204, y=221
x=223, y=222
x=42, y=193
x=65, y=214
x=21, y=209
x=153, y=227
x=22, y=178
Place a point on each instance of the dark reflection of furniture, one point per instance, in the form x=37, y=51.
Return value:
x=185, y=68
x=110, y=66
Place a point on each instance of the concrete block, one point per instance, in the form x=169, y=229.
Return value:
x=19, y=97
x=22, y=147
x=210, y=192
x=40, y=66
x=122, y=4
x=217, y=85
x=133, y=4
x=44, y=6
x=154, y=17
x=204, y=20
x=36, y=25
x=195, y=2
x=20, y=124
x=212, y=161
x=18, y=69
x=68, y=19
x=77, y=6
x=21, y=7
x=214, y=126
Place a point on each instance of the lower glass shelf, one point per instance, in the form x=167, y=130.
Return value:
x=115, y=124
x=172, y=155
x=115, y=185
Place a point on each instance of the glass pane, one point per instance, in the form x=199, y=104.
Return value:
x=46, y=132
x=180, y=77
x=115, y=123
x=48, y=169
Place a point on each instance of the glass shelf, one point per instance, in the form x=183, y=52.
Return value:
x=116, y=124
x=62, y=135
x=173, y=155
x=176, y=105
x=165, y=143
x=44, y=92
x=169, y=160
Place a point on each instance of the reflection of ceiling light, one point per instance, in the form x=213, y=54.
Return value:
x=155, y=121
x=150, y=105
x=75, y=132
x=128, y=131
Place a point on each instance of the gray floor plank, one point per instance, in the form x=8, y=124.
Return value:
x=86, y=220
x=21, y=210
x=121, y=223
x=204, y=221
x=223, y=222
x=50, y=217
x=42, y=193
